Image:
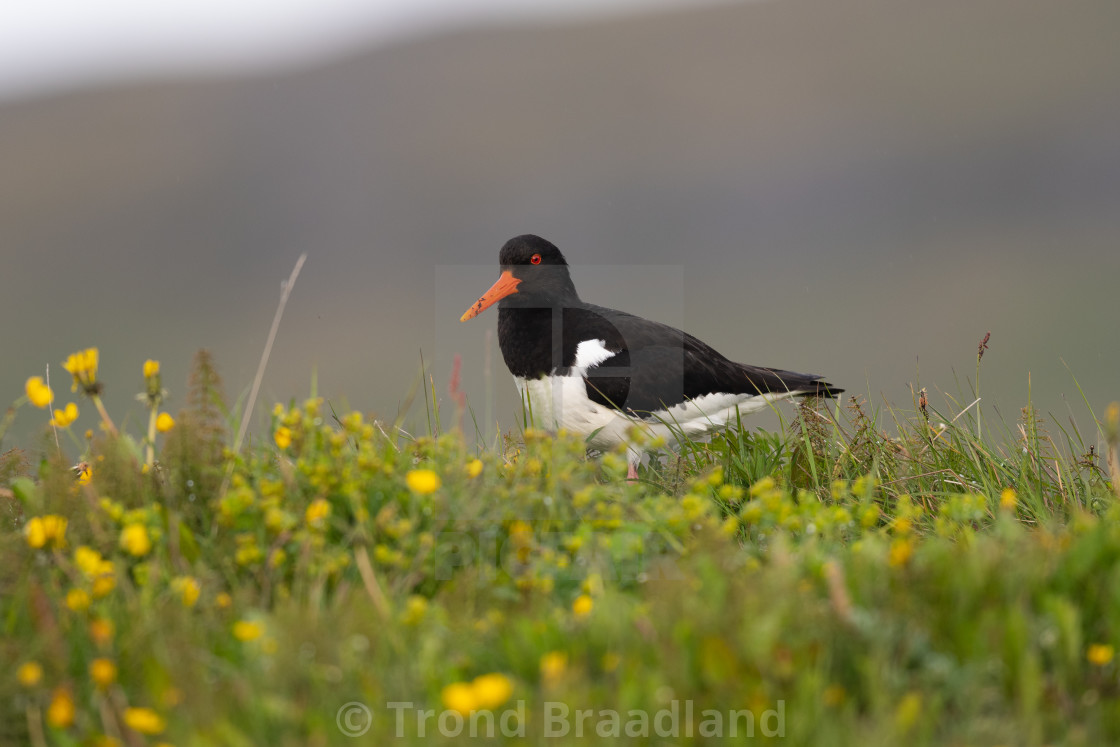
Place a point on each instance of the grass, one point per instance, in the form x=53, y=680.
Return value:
x=864, y=576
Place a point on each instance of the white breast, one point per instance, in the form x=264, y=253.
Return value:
x=557, y=402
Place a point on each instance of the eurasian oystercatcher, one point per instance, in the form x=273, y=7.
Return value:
x=600, y=372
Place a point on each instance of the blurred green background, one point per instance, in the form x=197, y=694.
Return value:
x=856, y=188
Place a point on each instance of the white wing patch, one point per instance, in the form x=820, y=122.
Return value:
x=591, y=353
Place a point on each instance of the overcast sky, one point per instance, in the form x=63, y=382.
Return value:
x=51, y=44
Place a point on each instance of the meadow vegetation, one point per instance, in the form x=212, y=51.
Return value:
x=866, y=575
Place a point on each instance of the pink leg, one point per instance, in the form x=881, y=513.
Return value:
x=631, y=471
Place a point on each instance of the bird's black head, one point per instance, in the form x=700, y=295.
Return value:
x=534, y=274
x=529, y=249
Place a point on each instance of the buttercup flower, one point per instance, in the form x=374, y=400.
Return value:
x=144, y=720
x=83, y=472
x=474, y=468
x=38, y=392
x=83, y=367
x=900, y=552
x=104, y=579
x=77, y=599
x=60, y=713
x=553, y=665
x=101, y=631
x=246, y=630
x=103, y=672
x=459, y=696
x=29, y=673
x=282, y=437
x=164, y=422
x=63, y=418
x=422, y=481
x=187, y=588
x=1100, y=654
x=317, y=512
x=491, y=690
x=582, y=606
x=88, y=560
x=135, y=540
x=151, y=368
x=43, y=530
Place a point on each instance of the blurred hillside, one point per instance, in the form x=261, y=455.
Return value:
x=857, y=188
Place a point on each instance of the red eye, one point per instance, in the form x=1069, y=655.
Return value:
x=535, y=259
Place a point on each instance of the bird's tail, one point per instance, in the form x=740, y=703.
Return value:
x=776, y=380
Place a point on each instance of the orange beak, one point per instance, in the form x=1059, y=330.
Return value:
x=505, y=286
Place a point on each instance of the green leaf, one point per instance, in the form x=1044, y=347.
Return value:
x=188, y=545
x=27, y=493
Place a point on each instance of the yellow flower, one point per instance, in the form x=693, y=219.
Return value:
x=41, y=530
x=582, y=606
x=103, y=672
x=38, y=393
x=29, y=673
x=164, y=422
x=105, y=580
x=317, y=512
x=188, y=589
x=900, y=552
x=83, y=367
x=1100, y=654
x=282, y=437
x=144, y=720
x=414, y=610
x=474, y=468
x=60, y=713
x=223, y=600
x=85, y=473
x=88, y=560
x=246, y=630
x=553, y=665
x=491, y=690
x=1008, y=500
x=63, y=418
x=459, y=696
x=77, y=599
x=55, y=527
x=34, y=533
x=151, y=368
x=101, y=631
x=422, y=481
x=135, y=540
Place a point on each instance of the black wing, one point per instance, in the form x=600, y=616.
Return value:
x=656, y=366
